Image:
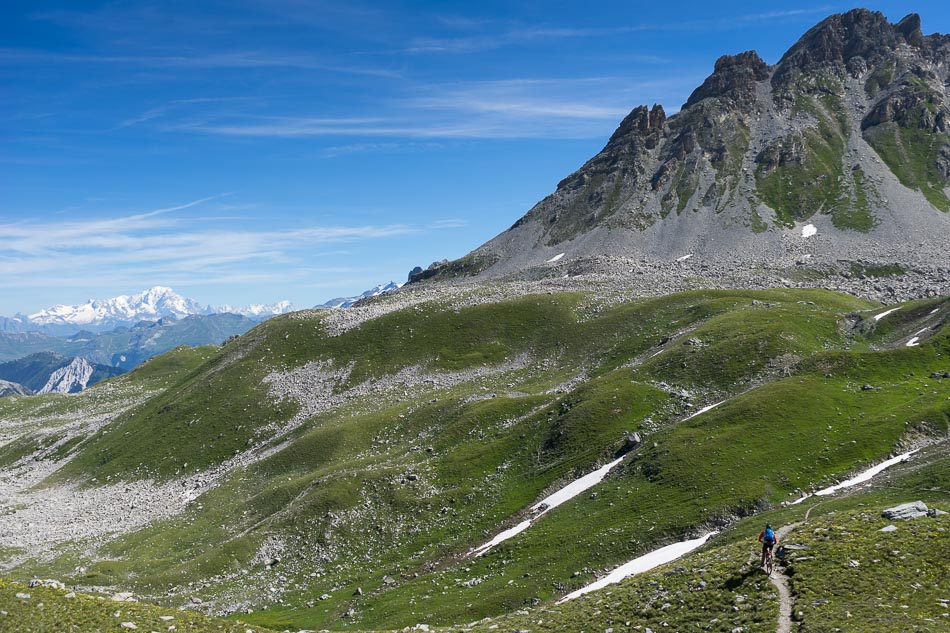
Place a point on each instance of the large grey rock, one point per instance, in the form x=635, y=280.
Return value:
x=906, y=511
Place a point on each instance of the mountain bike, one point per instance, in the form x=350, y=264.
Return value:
x=769, y=562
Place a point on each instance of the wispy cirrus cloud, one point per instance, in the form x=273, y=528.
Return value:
x=488, y=39
x=336, y=151
x=449, y=223
x=555, y=98
x=207, y=61
x=166, y=108
x=166, y=244
x=501, y=109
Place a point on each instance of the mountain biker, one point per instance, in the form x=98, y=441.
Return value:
x=768, y=539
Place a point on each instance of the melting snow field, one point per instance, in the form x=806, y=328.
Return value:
x=913, y=342
x=674, y=551
x=640, y=565
x=878, y=317
x=860, y=477
x=556, y=258
x=703, y=410
x=575, y=488
x=684, y=258
x=808, y=230
x=566, y=493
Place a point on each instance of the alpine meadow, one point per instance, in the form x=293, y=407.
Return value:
x=733, y=315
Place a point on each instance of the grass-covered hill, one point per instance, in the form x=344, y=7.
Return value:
x=335, y=469
x=842, y=571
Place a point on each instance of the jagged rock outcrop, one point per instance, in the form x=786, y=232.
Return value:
x=837, y=156
x=734, y=78
x=8, y=388
x=835, y=42
x=48, y=372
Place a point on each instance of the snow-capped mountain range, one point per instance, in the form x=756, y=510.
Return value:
x=259, y=310
x=346, y=302
x=155, y=303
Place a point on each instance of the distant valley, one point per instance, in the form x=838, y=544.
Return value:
x=103, y=338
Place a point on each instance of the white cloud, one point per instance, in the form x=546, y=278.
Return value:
x=450, y=223
x=231, y=59
x=503, y=109
x=522, y=35
x=166, y=244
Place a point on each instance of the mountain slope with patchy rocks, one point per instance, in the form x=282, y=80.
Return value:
x=331, y=468
x=832, y=162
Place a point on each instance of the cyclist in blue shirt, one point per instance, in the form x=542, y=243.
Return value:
x=768, y=539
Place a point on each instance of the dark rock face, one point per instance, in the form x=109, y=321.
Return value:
x=909, y=27
x=910, y=105
x=734, y=78
x=644, y=123
x=837, y=40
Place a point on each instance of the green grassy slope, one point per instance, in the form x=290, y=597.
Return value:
x=25, y=609
x=387, y=492
x=51, y=426
x=846, y=576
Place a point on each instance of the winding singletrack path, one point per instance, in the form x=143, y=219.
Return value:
x=778, y=579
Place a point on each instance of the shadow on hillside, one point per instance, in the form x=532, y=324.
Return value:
x=737, y=580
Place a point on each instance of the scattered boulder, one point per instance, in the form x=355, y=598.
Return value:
x=55, y=584
x=124, y=596
x=905, y=511
x=630, y=442
x=888, y=528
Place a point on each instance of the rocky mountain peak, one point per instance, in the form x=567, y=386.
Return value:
x=909, y=27
x=641, y=121
x=840, y=39
x=734, y=78
x=838, y=153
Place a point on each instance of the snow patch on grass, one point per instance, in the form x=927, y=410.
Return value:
x=878, y=317
x=703, y=410
x=860, y=477
x=641, y=564
x=550, y=502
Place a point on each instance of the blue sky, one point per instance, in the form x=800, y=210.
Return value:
x=251, y=151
